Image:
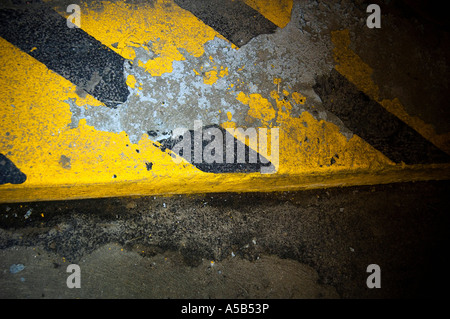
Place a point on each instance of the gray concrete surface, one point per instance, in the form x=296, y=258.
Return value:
x=311, y=244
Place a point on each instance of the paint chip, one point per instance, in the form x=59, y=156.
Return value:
x=15, y=268
x=64, y=161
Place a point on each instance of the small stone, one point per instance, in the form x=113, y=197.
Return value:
x=131, y=205
x=28, y=214
x=15, y=268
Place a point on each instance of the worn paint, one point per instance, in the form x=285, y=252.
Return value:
x=131, y=81
x=350, y=65
x=158, y=27
x=260, y=107
x=36, y=96
x=314, y=152
x=279, y=11
x=236, y=21
x=309, y=145
x=9, y=173
x=298, y=98
x=70, y=52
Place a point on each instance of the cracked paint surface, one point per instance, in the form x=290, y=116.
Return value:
x=178, y=70
x=207, y=87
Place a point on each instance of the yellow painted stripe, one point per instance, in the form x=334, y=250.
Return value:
x=37, y=119
x=122, y=26
x=223, y=183
x=277, y=11
x=350, y=65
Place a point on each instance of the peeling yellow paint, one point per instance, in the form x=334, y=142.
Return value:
x=276, y=81
x=308, y=145
x=131, y=81
x=104, y=164
x=299, y=98
x=230, y=123
x=223, y=72
x=37, y=119
x=274, y=95
x=210, y=77
x=260, y=107
x=163, y=23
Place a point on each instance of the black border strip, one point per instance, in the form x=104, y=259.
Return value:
x=72, y=53
x=233, y=19
x=9, y=173
x=248, y=166
x=373, y=123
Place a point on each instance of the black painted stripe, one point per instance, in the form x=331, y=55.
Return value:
x=373, y=123
x=9, y=173
x=233, y=19
x=70, y=52
x=224, y=166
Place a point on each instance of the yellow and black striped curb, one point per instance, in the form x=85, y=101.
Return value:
x=90, y=112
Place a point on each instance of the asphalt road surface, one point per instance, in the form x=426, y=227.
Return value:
x=310, y=244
